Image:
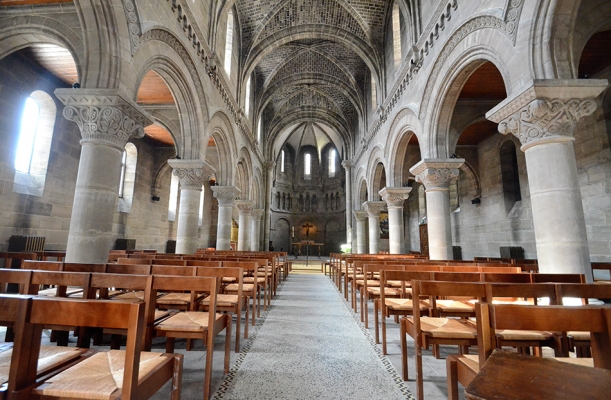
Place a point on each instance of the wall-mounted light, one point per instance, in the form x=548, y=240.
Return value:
x=155, y=198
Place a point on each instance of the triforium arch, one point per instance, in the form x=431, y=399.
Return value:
x=244, y=174
x=223, y=134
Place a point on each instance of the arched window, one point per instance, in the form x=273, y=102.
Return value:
x=374, y=94
x=259, y=127
x=247, y=99
x=229, y=43
x=201, y=206
x=34, y=144
x=332, y=156
x=173, y=203
x=510, y=175
x=422, y=204
x=396, y=33
x=128, y=177
x=282, y=161
x=307, y=166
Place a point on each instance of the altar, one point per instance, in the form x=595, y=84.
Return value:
x=303, y=248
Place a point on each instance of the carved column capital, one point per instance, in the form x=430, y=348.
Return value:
x=104, y=114
x=192, y=173
x=373, y=208
x=547, y=110
x=245, y=206
x=436, y=174
x=347, y=164
x=226, y=195
x=361, y=216
x=269, y=165
x=257, y=213
x=395, y=196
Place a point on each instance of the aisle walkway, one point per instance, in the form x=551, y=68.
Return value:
x=311, y=347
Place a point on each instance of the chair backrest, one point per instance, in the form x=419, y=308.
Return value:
x=457, y=276
x=84, y=267
x=85, y=313
x=135, y=260
x=558, y=278
x=193, y=284
x=204, y=263
x=532, y=291
x=493, y=317
x=584, y=291
x=506, y=278
x=16, y=277
x=60, y=279
x=169, y=261
x=42, y=265
x=177, y=270
x=245, y=265
x=128, y=269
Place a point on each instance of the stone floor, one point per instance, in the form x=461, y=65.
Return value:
x=309, y=344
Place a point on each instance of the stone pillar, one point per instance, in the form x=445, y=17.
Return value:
x=436, y=175
x=373, y=209
x=244, y=207
x=394, y=198
x=226, y=196
x=348, y=167
x=192, y=175
x=544, y=117
x=107, y=120
x=255, y=229
x=269, y=167
x=207, y=215
x=361, y=235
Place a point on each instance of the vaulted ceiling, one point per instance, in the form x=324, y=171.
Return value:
x=311, y=60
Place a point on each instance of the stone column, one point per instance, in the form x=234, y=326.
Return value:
x=394, y=198
x=361, y=236
x=436, y=175
x=244, y=207
x=226, y=196
x=107, y=120
x=255, y=229
x=348, y=167
x=192, y=175
x=544, y=117
x=373, y=209
x=207, y=215
x=269, y=167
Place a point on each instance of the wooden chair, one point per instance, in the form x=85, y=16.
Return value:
x=228, y=303
x=180, y=300
x=253, y=287
x=21, y=280
x=194, y=324
x=437, y=330
x=492, y=318
x=141, y=373
x=558, y=278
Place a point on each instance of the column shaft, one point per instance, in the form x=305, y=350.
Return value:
x=374, y=234
x=223, y=235
x=188, y=221
x=361, y=232
x=348, y=166
x=395, y=230
x=244, y=231
x=269, y=165
x=439, y=224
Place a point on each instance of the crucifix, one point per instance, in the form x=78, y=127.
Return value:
x=308, y=226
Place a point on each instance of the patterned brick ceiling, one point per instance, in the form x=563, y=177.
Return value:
x=301, y=65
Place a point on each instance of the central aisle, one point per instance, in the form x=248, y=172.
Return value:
x=311, y=347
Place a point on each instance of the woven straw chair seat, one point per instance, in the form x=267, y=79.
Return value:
x=250, y=279
x=130, y=296
x=245, y=288
x=471, y=360
x=387, y=291
x=190, y=321
x=586, y=362
x=98, y=377
x=447, y=328
x=454, y=306
x=577, y=335
x=174, y=298
x=510, y=334
x=160, y=314
x=49, y=358
x=402, y=304
x=229, y=279
x=370, y=283
x=222, y=300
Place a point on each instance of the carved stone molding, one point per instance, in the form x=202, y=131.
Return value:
x=245, y=206
x=104, y=114
x=546, y=118
x=257, y=213
x=133, y=22
x=226, y=195
x=395, y=196
x=192, y=173
x=437, y=173
x=269, y=165
x=373, y=208
x=347, y=164
x=361, y=216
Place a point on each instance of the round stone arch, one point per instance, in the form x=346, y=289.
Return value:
x=404, y=125
x=457, y=71
x=224, y=137
x=244, y=174
x=255, y=189
x=18, y=36
x=363, y=194
x=586, y=25
x=376, y=158
x=187, y=138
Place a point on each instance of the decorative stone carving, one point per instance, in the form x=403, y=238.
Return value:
x=361, y=216
x=269, y=165
x=226, y=195
x=133, y=20
x=347, y=164
x=104, y=114
x=395, y=196
x=543, y=118
x=373, y=208
x=245, y=206
x=257, y=213
x=192, y=173
x=437, y=173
